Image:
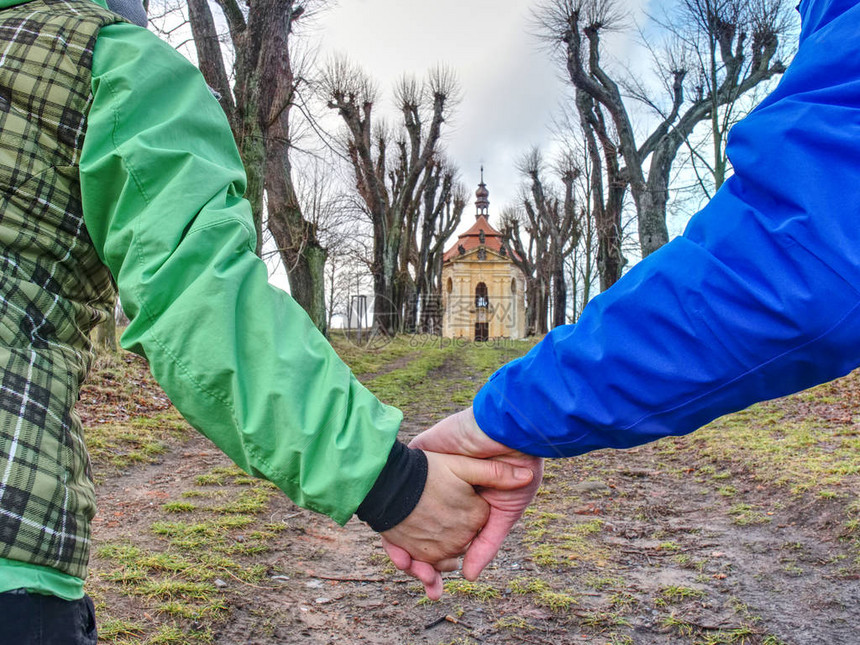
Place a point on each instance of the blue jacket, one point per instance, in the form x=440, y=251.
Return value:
x=757, y=299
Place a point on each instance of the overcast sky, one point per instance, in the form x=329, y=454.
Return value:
x=510, y=86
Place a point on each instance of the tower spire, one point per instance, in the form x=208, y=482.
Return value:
x=482, y=201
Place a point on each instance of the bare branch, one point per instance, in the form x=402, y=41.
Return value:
x=235, y=17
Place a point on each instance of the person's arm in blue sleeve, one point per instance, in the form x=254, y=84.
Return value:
x=758, y=298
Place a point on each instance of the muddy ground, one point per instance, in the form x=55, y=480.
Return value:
x=676, y=542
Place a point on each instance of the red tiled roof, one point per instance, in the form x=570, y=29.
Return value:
x=471, y=239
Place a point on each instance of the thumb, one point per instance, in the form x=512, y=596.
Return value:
x=490, y=473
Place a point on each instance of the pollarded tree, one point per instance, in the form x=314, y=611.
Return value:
x=748, y=51
x=388, y=165
x=700, y=44
x=553, y=210
x=443, y=200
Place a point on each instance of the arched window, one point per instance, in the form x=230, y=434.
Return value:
x=513, y=285
x=481, y=297
x=450, y=286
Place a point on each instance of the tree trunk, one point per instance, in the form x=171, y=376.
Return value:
x=305, y=264
x=608, y=203
x=408, y=301
x=559, y=295
x=253, y=153
x=331, y=295
x=431, y=296
x=653, y=231
x=542, y=318
x=303, y=256
x=533, y=303
x=385, y=289
x=209, y=58
x=384, y=311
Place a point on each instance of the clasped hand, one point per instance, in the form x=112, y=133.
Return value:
x=476, y=490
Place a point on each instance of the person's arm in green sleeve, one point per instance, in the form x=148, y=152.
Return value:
x=162, y=185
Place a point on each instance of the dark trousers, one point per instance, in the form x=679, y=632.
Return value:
x=35, y=619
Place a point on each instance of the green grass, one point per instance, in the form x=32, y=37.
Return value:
x=409, y=383
x=542, y=594
x=363, y=361
x=555, y=540
x=603, y=620
x=111, y=629
x=128, y=418
x=477, y=590
x=778, y=447
x=135, y=441
x=745, y=515
x=735, y=636
x=675, y=594
x=513, y=623
x=178, y=580
x=400, y=387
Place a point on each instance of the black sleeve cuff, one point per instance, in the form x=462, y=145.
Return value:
x=397, y=489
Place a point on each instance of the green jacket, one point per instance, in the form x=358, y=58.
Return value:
x=161, y=187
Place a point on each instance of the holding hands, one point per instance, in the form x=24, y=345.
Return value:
x=476, y=490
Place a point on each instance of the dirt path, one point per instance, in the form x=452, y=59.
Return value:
x=645, y=546
x=677, y=548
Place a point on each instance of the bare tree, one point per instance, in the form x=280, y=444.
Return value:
x=443, y=199
x=700, y=45
x=748, y=40
x=583, y=258
x=526, y=242
x=343, y=272
x=258, y=104
x=388, y=167
x=554, y=211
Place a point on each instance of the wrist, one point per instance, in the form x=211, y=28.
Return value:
x=397, y=489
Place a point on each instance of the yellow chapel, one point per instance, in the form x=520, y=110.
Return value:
x=483, y=290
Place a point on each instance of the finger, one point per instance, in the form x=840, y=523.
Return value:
x=491, y=473
x=435, y=588
x=451, y=564
x=487, y=543
x=426, y=574
x=429, y=577
x=437, y=440
x=399, y=557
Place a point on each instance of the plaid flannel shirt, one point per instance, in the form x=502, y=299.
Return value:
x=53, y=287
